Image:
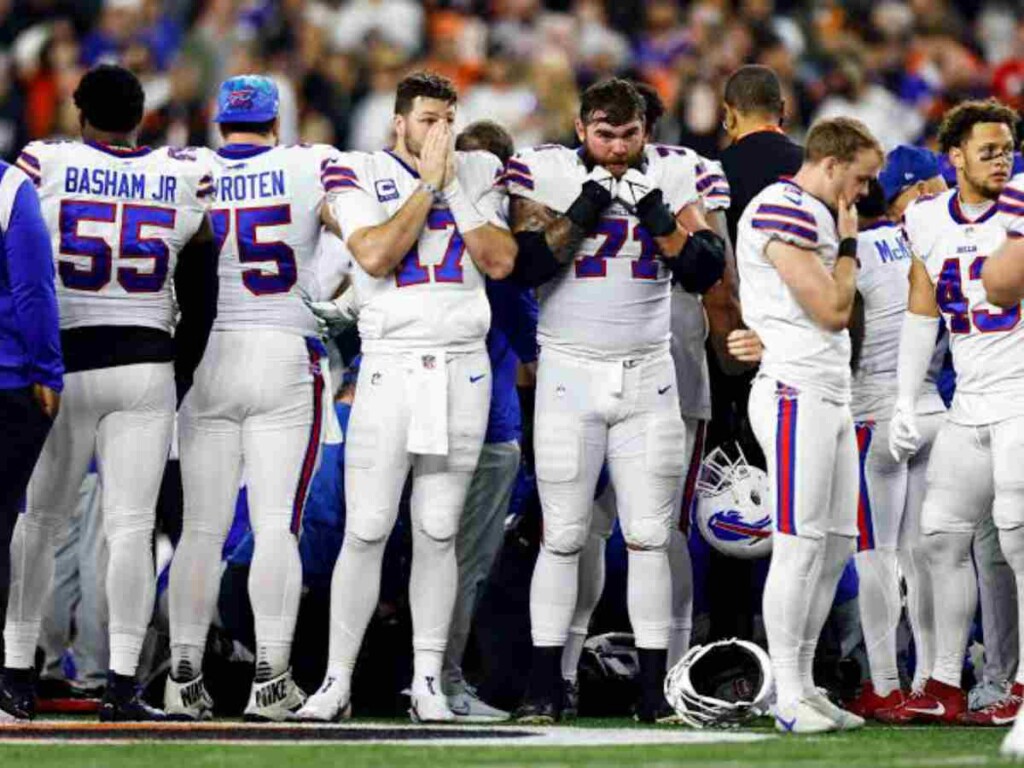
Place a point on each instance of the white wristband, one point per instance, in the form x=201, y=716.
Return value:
x=467, y=217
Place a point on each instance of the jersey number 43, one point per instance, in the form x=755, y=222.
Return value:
x=950, y=297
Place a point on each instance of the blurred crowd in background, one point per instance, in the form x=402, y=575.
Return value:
x=895, y=65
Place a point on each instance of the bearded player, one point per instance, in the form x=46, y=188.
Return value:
x=603, y=231
x=424, y=224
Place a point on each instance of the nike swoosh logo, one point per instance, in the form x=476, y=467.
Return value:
x=663, y=390
x=475, y=379
x=938, y=710
x=461, y=710
x=786, y=724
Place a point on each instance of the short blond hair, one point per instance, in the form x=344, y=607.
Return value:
x=839, y=137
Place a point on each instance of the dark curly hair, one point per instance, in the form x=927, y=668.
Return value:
x=618, y=99
x=429, y=85
x=958, y=122
x=110, y=98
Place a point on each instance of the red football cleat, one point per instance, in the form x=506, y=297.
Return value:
x=867, y=703
x=1003, y=712
x=938, y=703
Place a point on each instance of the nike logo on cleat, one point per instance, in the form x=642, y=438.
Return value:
x=475, y=379
x=787, y=725
x=663, y=390
x=272, y=694
x=939, y=710
x=192, y=694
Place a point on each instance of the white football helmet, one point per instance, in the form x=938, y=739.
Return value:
x=721, y=685
x=733, y=505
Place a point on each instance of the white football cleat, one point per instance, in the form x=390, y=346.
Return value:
x=274, y=700
x=803, y=717
x=331, y=703
x=468, y=707
x=1013, y=744
x=187, y=701
x=430, y=708
x=846, y=721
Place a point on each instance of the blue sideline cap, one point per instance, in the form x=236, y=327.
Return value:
x=904, y=167
x=247, y=99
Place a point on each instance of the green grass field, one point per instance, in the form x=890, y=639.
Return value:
x=874, y=747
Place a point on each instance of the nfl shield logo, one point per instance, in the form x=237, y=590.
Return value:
x=429, y=362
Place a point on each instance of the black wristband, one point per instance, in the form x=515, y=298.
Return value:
x=848, y=248
x=585, y=211
x=655, y=217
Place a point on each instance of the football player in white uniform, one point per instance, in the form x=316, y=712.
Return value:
x=127, y=222
x=258, y=397
x=797, y=282
x=689, y=329
x=602, y=231
x=972, y=471
x=424, y=225
x=891, y=492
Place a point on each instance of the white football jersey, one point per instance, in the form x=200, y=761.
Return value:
x=797, y=351
x=882, y=282
x=987, y=342
x=688, y=320
x=266, y=221
x=613, y=301
x=119, y=217
x=435, y=297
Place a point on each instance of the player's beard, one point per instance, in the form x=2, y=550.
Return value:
x=634, y=161
x=984, y=184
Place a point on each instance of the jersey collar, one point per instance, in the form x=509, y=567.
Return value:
x=412, y=171
x=242, y=151
x=117, y=151
x=880, y=224
x=961, y=218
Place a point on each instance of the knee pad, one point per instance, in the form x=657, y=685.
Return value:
x=440, y=523
x=666, y=447
x=947, y=549
x=564, y=539
x=47, y=521
x=119, y=523
x=1008, y=507
x=368, y=526
x=649, y=534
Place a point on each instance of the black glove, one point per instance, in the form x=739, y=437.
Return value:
x=596, y=195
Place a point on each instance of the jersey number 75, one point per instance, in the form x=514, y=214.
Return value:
x=254, y=250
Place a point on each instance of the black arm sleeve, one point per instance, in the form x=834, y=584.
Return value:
x=535, y=264
x=195, y=288
x=701, y=263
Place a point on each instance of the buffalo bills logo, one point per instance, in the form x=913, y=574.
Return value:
x=729, y=525
x=241, y=98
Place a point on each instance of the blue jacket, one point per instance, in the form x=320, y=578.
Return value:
x=29, y=321
x=511, y=340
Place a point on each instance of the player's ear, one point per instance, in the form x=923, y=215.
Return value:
x=275, y=130
x=581, y=129
x=398, y=124
x=956, y=158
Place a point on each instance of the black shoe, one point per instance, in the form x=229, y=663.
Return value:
x=652, y=704
x=53, y=688
x=658, y=713
x=537, y=712
x=121, y=702
x=18, y=694
x=570, y=700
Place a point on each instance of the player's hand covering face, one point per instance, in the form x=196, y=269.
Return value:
x=851, y=179
x=424, y=115
x=616, y=147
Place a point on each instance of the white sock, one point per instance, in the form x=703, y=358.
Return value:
x=553, y=597
x=433, y=582
x=359, y=563
x=275, y=587
x=32, y=565
x=837, y=552
x=1011, y=541
x=192, y=598
x=682, y=597
x=879, y=605
x=131, y=584
x=920, y=610
x=649, y=597
x=785, y=608
x=956, y=598
x=588, y=595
